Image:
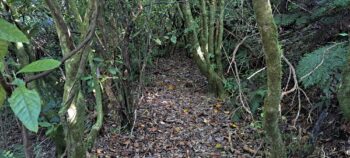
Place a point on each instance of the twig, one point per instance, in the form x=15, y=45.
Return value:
x=257, y=150
x=235, y=52
x=292, y=69
x=238, y=38
x=251, y=76
x=133, y=125
x=301, y=7
x=298, y=113
x=288, y=80
x=236, y=74
x=230, y=141
x=295, y=87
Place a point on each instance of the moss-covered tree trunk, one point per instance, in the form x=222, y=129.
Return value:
x=269, y=35
x=72, y=113
x=205, y=45
x=219, y=37
x=344, y=89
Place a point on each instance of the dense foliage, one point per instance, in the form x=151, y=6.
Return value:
x=68, y=67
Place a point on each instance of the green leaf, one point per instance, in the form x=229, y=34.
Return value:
x=26, y=105
x=18, y=82
x=45, y=124
x=41, y=65
x=173, y=39
x=343, y=34
x=114, y=70
x=158, y=41
x=11, y=33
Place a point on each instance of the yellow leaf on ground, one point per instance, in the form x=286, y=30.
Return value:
x=206, y=121
x=216, y=110
x=171, y=87
x=218, y=146
x=232, y=125
x=218, y=105
x=177, y=129
x=186, y=110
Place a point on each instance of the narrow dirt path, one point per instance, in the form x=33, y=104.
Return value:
x=178, y=119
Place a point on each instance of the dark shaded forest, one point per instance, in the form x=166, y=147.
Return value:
x=167, y=78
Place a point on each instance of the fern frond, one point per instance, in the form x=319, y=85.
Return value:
x=6, y=154
x=318, y=67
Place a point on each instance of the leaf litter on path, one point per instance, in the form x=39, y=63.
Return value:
x=178, y=118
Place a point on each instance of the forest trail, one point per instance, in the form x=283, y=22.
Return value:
x=178, y=118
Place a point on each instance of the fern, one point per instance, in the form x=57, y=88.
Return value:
x=322, y=65
x=286, y=19
x=324, y=8
x=6, y=154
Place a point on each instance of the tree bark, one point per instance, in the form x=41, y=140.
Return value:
x=273, y=52
x=204, y=30
x=99, y=107
x=72, y=113
x=218, y=37
x=199, y=53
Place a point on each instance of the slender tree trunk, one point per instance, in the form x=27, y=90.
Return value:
x=27, y=143
x=199, y=53
x=212, y=20
x=204, y=30
x=219, y=36
x=99, y=107
x=126, y=100
x=269, y=35
x=344, y=90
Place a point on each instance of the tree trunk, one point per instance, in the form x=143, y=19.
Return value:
x=99, y=105
x=269, y=35
x=72, y=113
x=344, y=90
x=204, y=30
x=201, y=58
x=218, y=37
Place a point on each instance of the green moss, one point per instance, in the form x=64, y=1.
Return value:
x=269, y=35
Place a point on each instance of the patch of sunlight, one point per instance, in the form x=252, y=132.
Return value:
x=200, y=53
x=20, y=45
x=167, y=102
x=72, y=113
x=152, y=97
x=164, y=102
